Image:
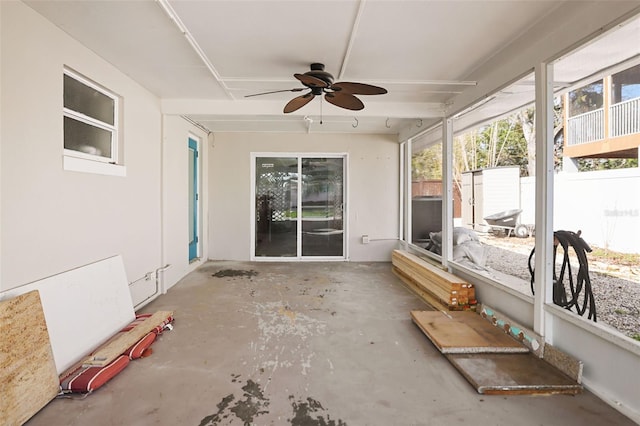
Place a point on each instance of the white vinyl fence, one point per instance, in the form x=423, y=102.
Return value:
x=604, y=205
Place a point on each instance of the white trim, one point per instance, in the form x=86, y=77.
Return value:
x=614, y=403
x=76, y=164
x=401, y=150
x=447, y=192
x=544, y=199
x=408, y=190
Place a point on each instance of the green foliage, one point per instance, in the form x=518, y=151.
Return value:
x=608, y=256
x=500, y=143
x=427, y=164
x=592, y=164
x=585, y=99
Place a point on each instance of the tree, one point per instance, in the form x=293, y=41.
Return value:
x=427, y=164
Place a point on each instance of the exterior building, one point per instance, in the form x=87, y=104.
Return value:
x=602, y=118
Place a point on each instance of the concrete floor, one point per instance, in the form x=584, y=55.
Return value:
x=305, y=344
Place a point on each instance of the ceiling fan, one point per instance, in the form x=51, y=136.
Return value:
x=320, y=82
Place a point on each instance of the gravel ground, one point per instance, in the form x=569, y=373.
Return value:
x=617, y=297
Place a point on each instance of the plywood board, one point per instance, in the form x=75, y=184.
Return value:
x=83, y=308
x=464, y=332
x=27, y=371
x=122, y=342
x=512, y=374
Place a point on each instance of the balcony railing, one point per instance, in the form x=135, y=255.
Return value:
x=625, y=118
x=587, y=127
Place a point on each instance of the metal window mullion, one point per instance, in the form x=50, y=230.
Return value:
x=402, y=193
x=447, y=191
x=544, y=199
x=89, y=120
x=408, y=192
x=299, y=213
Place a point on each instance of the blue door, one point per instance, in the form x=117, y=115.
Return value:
x=193, y=199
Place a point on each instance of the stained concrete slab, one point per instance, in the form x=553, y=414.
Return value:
x=304, y=344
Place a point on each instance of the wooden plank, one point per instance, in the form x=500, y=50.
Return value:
x=425, y=296
x=27, y=370
x=117, y=346
x=429, y=268
x=448, y=288
x=464, y=332
x=512, y=374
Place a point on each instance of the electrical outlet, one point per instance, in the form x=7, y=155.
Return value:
x=365, y=239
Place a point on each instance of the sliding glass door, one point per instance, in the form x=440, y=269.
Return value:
x=299, y=206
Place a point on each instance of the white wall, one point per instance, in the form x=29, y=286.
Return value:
x=54, y=220
x=610, y=370
x=372, y=189
x=175, y=198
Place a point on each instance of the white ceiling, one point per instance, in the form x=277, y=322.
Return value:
x=206, y=56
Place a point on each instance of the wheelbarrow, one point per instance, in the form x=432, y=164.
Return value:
x=507, y=222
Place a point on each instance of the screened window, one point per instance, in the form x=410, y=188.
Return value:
x=625, y=85
x=90, y=120
x=586, y=99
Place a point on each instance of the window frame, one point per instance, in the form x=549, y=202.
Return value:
x=88, y=120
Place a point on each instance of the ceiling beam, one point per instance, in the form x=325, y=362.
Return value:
x=270, y=107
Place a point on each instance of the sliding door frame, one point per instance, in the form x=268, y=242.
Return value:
x=345, y=210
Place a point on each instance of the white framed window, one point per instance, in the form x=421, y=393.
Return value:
x=90, y=114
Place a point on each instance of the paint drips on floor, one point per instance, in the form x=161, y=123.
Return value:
x=232, y=273
x=253, y=405
x=306, y=412
x=311, y=413
x=216, y=418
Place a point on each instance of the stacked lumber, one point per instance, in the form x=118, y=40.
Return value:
x=432, y=283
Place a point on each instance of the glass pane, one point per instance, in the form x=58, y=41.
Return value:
x=322, y=207
x=276, y=206
x=586, y=99
x=494, y=168
x=426, y=191
x=625, y=85
x=82, y=137
x=84, y=99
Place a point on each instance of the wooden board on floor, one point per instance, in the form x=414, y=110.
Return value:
x=512, y=374
x=122, y=342
x=83, y=307
x=27, y=370
x=464, y=332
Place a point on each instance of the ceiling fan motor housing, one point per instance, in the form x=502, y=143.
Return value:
x=317, y=71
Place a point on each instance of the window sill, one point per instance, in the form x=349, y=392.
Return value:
x=74, y=164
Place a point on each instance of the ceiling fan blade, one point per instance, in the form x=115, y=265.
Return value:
x=297, y=89
x=311, y=81
x=344, y=100
x=298, y=102
x=358, y=88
